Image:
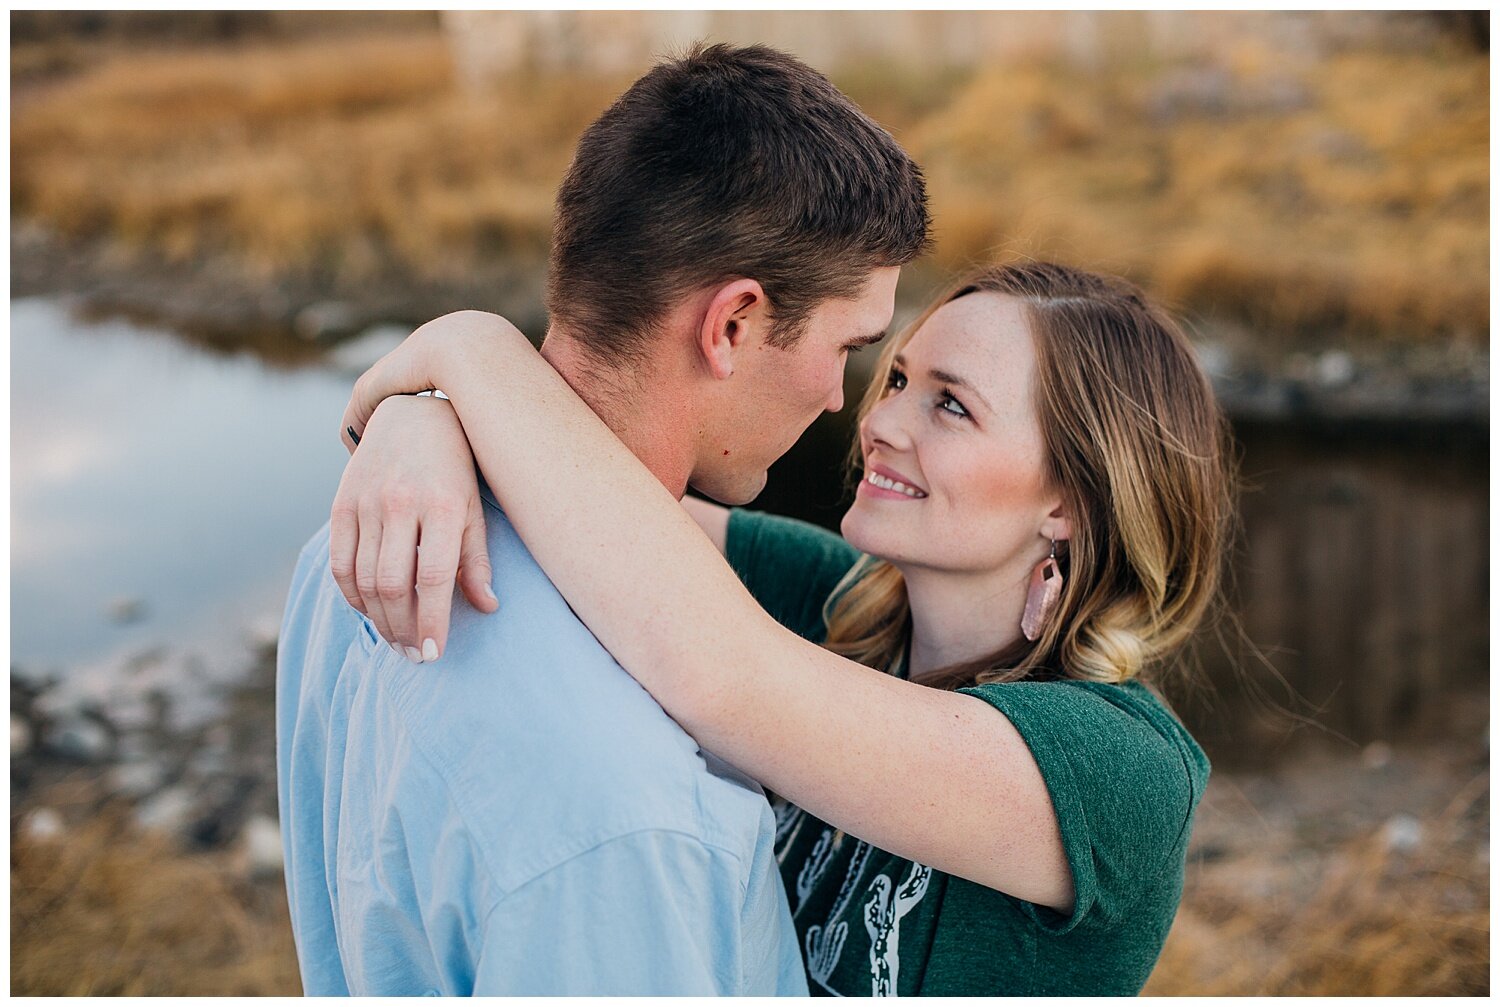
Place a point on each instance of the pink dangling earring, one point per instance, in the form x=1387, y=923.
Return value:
x=1041, y=598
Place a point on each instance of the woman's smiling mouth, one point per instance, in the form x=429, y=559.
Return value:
x=892, y=486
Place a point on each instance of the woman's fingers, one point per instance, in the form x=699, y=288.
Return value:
x=474, y=573
x=437, y=566
x=366, y=566
x=343, y=540
x=394, y=576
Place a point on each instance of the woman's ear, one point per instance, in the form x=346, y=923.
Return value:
x=1057, y=526
x=734, y=312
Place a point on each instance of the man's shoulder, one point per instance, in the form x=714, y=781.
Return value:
x=547, y=745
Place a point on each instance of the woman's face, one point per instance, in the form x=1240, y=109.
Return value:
x=957, y=428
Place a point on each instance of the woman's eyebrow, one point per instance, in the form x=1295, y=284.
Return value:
x=947, y=378
x=953, y=379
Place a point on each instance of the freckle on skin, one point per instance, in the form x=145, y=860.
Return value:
x=726, y=451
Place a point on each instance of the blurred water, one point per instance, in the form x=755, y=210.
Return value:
x=154, y=476
x=153, y=479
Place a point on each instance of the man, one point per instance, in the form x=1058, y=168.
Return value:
x=524, y=818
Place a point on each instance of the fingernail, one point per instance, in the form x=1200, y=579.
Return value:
x=489, y=592
x=395, y=648
x=414, y=655
x=429, y=649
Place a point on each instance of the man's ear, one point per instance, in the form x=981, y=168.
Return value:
x=731, y=322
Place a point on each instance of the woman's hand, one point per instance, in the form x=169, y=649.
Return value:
x=442, y=348
x=407, y=521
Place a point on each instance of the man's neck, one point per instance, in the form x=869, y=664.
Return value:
x=655, y=425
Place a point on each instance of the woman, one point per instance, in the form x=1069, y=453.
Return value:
x=1042, y=519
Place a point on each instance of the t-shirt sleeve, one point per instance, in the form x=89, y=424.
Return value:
x=651, y=913
x=1124, y=779
x=790, y=566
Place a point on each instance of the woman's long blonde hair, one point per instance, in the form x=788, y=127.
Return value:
x=1139, y=450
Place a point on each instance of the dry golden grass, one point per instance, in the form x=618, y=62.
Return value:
x=1364, y=918
x=328, y=157
x=1351, y=196
x=108, y=911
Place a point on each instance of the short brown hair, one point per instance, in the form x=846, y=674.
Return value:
x=728, y=162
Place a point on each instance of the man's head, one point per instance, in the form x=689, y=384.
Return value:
x=737, y=200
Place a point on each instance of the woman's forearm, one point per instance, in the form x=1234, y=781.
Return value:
x=930, y=775
x=632, y=563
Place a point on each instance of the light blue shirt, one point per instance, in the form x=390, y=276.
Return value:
x=518, y=818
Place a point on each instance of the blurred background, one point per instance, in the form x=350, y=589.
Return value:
x=218, y=219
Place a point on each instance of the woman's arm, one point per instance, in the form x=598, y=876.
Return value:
x=712, y=518
x=934, y=776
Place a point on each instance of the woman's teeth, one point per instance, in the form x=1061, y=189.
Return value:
x=876, y=479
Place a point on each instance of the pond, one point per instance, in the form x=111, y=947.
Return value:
x=161, y=491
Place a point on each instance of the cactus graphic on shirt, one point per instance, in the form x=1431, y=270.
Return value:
x=787, y=817
x=822, y=949
x=883, y=922
x=816, y=863
x=824, y=944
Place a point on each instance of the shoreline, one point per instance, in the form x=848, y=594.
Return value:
x=219, y=305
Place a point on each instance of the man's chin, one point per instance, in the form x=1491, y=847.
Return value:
x=732, y=491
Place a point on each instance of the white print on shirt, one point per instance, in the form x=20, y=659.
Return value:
x=822, y=950
x=787, y=816
x=883, y=921
x=816, y=863
x=823, y=945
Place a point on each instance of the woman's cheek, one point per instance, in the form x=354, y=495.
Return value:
x=993, y=485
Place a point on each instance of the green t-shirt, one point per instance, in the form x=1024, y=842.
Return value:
x=1124, y=776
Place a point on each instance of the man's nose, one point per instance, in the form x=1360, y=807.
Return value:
x=836, y=400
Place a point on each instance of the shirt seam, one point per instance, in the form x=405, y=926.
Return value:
x=645, y=830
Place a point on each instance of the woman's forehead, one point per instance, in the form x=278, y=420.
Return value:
x=983, y=337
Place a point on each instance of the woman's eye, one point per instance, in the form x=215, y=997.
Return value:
x=951, y=405
x=895, y=381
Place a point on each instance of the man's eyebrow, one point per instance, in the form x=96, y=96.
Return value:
x=867, y=340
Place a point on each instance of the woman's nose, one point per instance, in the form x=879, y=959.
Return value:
x=886, y=424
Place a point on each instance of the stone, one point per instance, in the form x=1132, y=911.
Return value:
x=135, y=780
x=21, y=736
x=82, y=738
x=325, y=321
x=43, y=824
x=168, y=811
x=1401, y=833
x=1334, y=369
x=358, y=354
x=261, y=846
